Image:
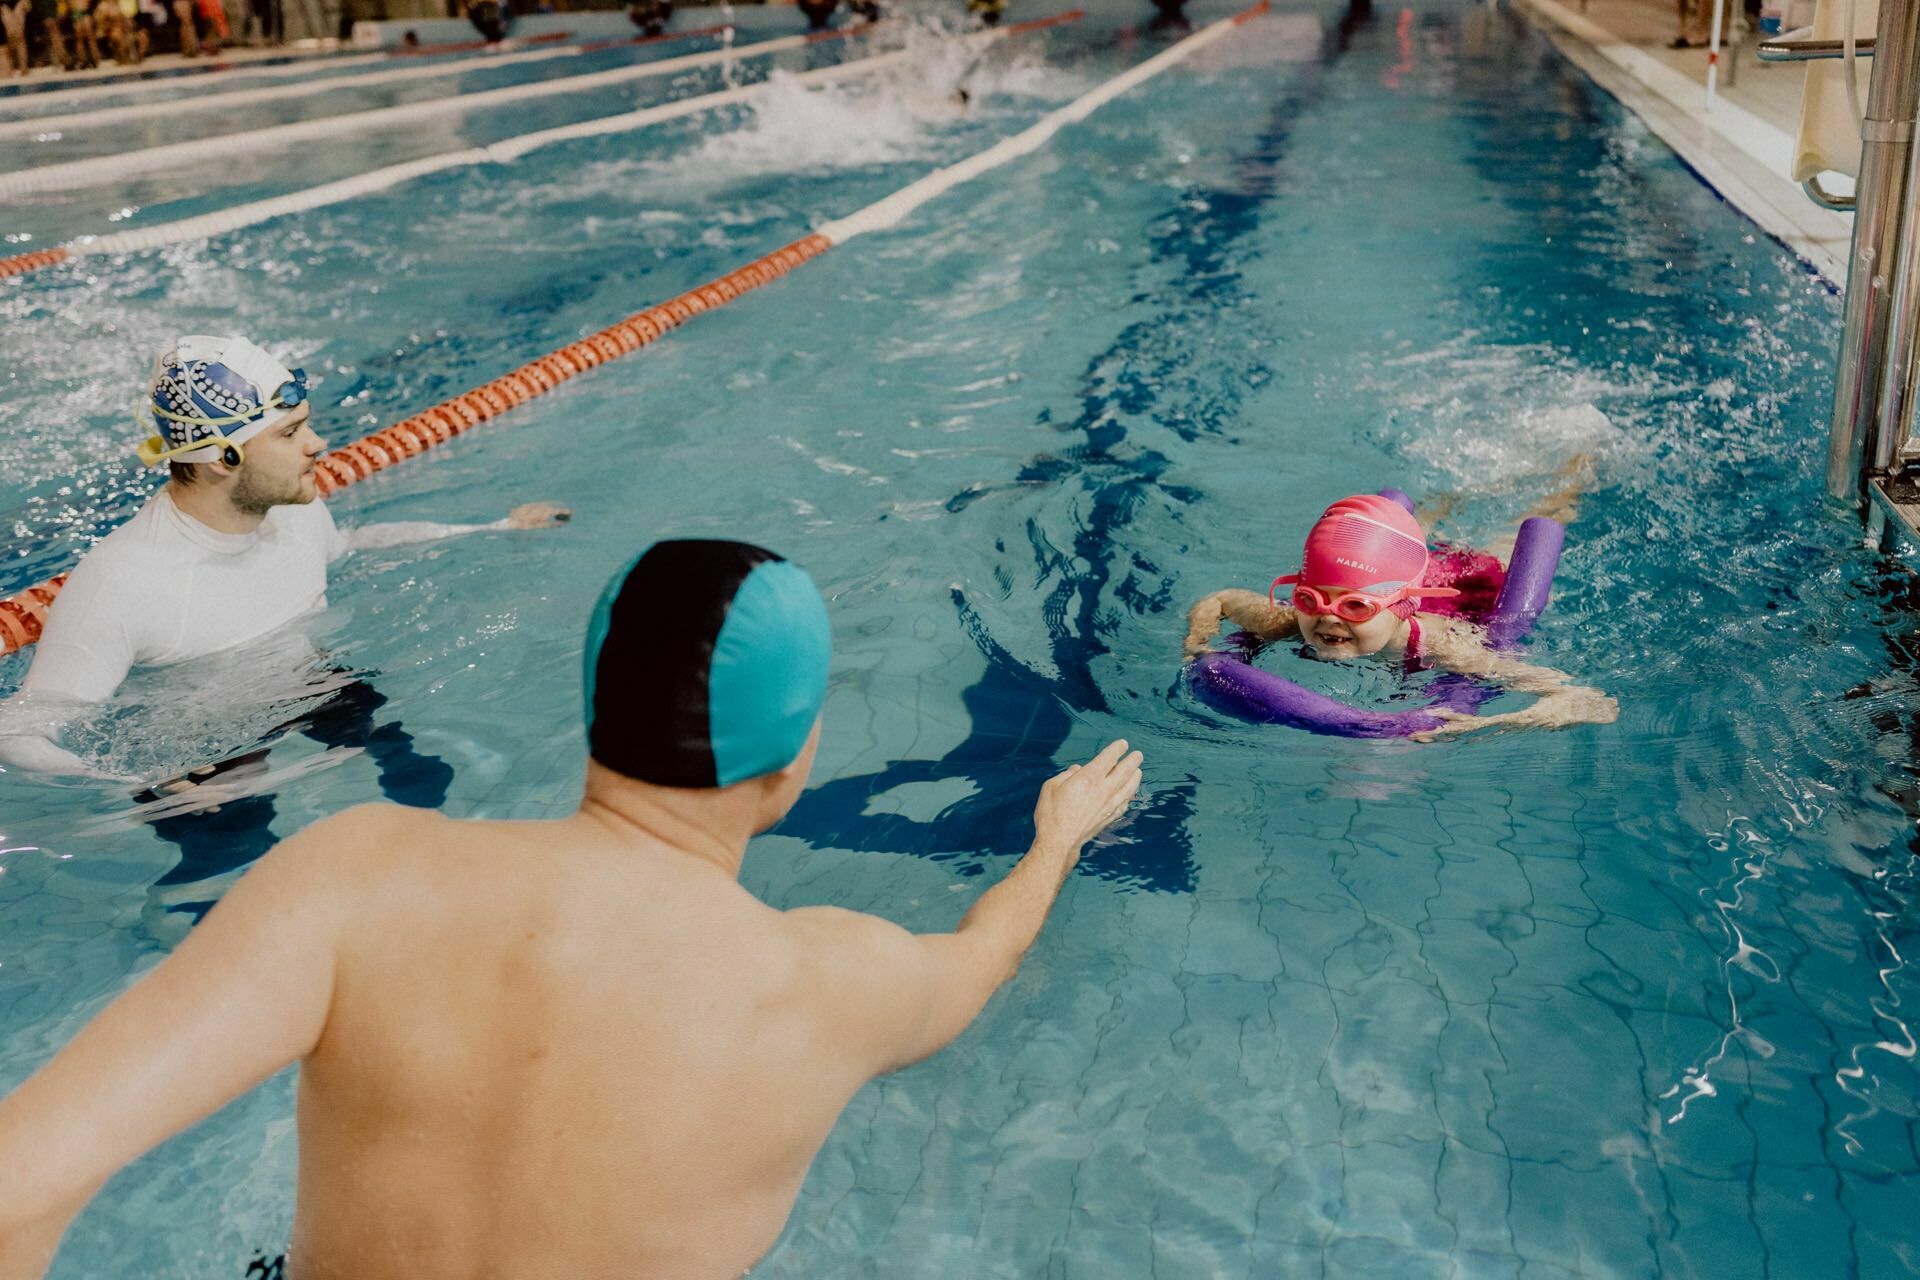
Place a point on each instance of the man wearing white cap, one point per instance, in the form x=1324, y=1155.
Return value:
x=233, y=547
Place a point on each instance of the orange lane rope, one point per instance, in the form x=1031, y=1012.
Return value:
x=21, y=263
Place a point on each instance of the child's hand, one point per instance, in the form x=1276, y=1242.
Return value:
x=1564, y=707
x=1457, y=723
x=1203, y=623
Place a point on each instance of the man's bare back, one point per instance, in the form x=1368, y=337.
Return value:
x=528, y=1049
x=584, y=1059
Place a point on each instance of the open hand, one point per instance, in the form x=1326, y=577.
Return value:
x=1564, y=707
x=537, y=515
x=1080, y=802
x=1456, y=723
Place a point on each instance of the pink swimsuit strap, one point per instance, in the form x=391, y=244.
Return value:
x=1416, y=659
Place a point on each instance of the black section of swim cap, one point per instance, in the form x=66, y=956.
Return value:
x=650, y=691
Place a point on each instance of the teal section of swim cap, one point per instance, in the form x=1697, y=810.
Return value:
x=769, y=672
x=597, y=628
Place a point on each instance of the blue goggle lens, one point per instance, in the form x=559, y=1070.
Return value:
x=292, y=393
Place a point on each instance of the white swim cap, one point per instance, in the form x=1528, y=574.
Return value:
x=220, y=390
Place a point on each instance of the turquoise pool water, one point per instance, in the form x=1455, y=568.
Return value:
x=1619, y=1001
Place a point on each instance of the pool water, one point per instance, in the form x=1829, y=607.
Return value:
x=1616, y=1001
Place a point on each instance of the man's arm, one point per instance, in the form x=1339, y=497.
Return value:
x=1248, y=610
x=83, y=655
x=246, y=994
x=902, y=996
x=396, y=533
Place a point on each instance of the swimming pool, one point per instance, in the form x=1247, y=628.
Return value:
x=1614, y=1002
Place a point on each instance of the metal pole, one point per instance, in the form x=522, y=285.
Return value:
x=1882, y=197
x=1713, y=52
x=1900, y=384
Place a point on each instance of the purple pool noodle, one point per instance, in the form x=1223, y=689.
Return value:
x=1398, y=497
x=1228, y=682
x=1536, y=554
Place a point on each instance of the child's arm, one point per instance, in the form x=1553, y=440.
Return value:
x=1461, y=648
x=1248, y=610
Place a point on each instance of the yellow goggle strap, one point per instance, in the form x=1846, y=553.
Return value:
x=153, y=450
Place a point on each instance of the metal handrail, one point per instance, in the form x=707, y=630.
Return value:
x=1863, y=441
x=1825, y=198
x=1794, y=47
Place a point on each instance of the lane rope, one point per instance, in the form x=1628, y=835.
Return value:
x=191, y=77
x=22, y=616
x=100, y=169
x=43, y=125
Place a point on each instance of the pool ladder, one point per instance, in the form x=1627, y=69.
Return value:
x=1873, y=461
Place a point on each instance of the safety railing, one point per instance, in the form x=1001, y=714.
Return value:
x=1875, y=381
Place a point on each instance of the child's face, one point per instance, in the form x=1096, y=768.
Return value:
x=1332, y=637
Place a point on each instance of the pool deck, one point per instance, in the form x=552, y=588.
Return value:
x=1743, y=148
x=230, y=56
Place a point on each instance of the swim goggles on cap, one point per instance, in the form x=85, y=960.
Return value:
x=153, y=450
x=1354, y=606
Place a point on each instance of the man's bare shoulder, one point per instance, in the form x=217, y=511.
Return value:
x=839, y=929
x=345, y=849
x=850, y=949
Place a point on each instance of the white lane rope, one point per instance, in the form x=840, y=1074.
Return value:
x=208, y=225
x=42, y=125
x=889, y=212
x=96, y=170
x=193, y=78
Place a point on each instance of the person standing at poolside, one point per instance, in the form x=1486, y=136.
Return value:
x=86, y=47
x=13, y=21
x=564, y=1048
x=46, y=15
x=189, y=34
x=232, y=548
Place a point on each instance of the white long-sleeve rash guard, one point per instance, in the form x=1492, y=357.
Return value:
x=164, y=588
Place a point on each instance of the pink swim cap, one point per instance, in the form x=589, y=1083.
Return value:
x=1366, y=543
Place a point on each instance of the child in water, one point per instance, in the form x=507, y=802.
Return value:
x=1368, y=586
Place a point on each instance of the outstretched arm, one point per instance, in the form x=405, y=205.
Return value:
x=246, y=994
x=899, y=997
x=396, y=533
x=1459, y=647
x=1248, y=610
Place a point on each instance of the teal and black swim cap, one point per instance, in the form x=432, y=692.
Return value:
x=706, y=665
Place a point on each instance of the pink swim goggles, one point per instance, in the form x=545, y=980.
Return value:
x=1354, y=606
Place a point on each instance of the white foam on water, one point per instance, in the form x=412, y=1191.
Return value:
x=1498, y=419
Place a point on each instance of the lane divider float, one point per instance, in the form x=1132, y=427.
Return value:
x=154, y=81
x=475, y=46
x=41, y=126
x=96, y=170
x=23, y=615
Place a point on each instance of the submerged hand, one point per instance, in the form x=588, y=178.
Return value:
x=1570, y=705
x=537, y=515
x=1080, y=802
x=1457, y=723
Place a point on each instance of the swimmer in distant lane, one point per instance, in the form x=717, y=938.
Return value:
x=1368, y=586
